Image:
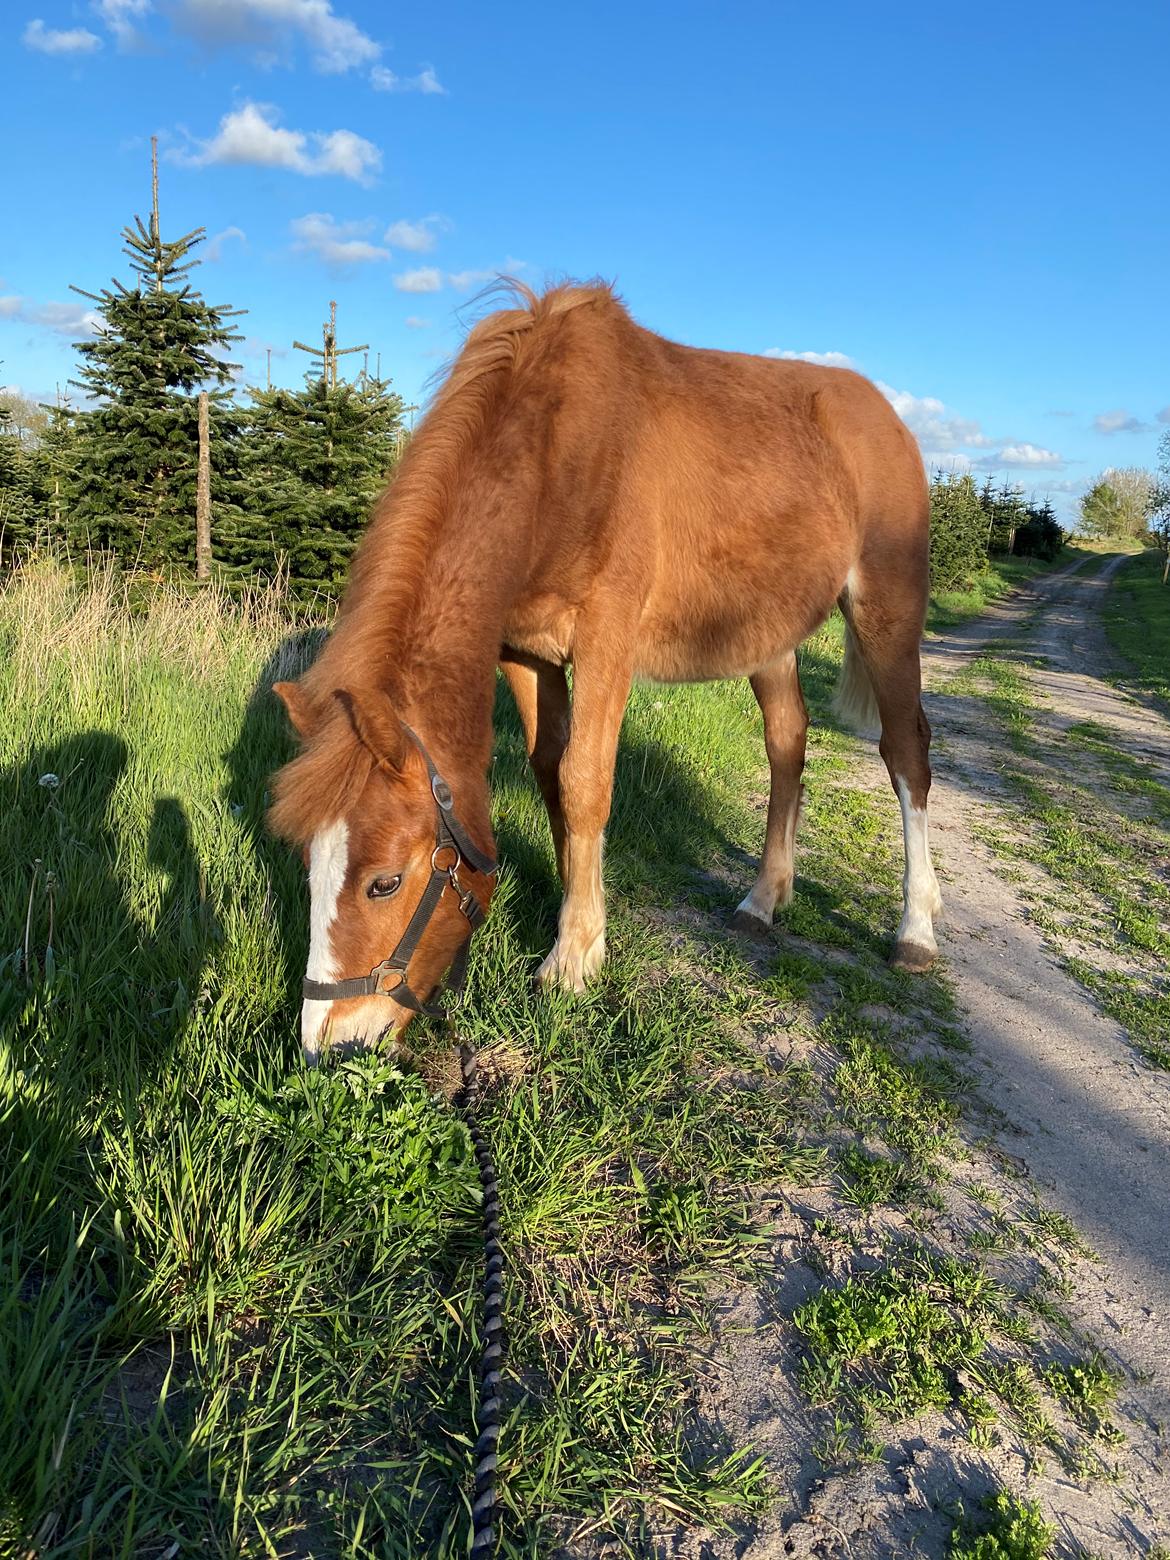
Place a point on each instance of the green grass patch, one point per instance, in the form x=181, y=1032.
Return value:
x=999, y=578
x=241, y=1303
x=1008, y=1529
x=1140, y=1005
x=1137, y=621
x=1129, y=776
x=1095, y=851
x=889, y=1344
x=1086, y=1387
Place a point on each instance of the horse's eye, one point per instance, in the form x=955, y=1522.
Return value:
x=383, y=887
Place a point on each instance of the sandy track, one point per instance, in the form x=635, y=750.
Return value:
x=1089, y=1120
x=1074, y=1114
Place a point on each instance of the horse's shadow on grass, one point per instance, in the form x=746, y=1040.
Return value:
x=71, y=934
x=95, y=992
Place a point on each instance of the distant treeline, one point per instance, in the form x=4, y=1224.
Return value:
x=970, y=520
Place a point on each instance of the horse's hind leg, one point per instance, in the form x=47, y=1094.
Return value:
x=541, y=692
x=777, y=689
x=888, y=637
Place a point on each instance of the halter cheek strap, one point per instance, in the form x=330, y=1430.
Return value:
x=453, y=848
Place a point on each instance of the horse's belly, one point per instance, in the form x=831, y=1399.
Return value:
x=708, y=647
x=729, y=627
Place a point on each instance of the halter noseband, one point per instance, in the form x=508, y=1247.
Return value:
x=451, y=840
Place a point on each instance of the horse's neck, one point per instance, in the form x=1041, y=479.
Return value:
x=433, y=644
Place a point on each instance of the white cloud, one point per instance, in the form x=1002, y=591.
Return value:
x=425, y=279
x=1118, y=421
x=51, y=40
x=932, y=423
x=947, y=460
x=461, y=280
x=1066, y=485
x=251, y=135
x=945, y=438
x=825, y=359
x=336, y=44
x=119, y=16
x=216, y=242
x=337, y=243
x=1164, y=415
x=64, y=319
x=1024, y=455
x=426, y=82
x=416, y=322
x=417, y=237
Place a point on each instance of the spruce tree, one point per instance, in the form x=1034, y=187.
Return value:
x=55, y=463
x=18, y=510
x=315, y=462
x=159, y=344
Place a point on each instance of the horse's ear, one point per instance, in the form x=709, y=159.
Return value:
x=378, y=727
x=301, y=714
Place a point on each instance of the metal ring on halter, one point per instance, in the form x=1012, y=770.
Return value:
x=455, y=865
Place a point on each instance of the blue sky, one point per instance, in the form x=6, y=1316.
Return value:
x=967, y=203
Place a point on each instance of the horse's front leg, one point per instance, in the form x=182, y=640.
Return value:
x=542, y=698
x=601, y=684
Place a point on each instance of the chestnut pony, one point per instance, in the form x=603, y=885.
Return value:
x=584, y=492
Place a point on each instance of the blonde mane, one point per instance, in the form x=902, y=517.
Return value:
x=333, y=767
x=395, y=551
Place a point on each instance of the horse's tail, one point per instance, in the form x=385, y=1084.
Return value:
x=854, y=701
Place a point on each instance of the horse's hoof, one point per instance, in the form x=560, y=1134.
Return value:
x=751, y=925
x=913, y=958
x=570, y=970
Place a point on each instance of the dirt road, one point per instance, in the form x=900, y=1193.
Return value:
x=1090, y=1121
x=1075, y=1119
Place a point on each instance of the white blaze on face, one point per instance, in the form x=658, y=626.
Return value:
x=328, y=858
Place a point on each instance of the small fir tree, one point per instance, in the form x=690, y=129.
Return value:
x=315, y=461
x=55, y=470
x=958, y=530
x=18, y=510
x=1041, y=535
x=132, y=489
x=1006, y=512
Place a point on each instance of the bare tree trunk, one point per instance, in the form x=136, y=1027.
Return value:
x=203, y=494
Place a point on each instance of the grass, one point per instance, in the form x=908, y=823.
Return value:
x=242, y=1299
x=889, y=1343
x=1137, y=621
x=1009, y=1529
x=240, y=1303
x=998, y=578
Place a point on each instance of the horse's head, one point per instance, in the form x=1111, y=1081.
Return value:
x=396, y=883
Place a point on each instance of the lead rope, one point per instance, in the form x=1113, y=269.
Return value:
x=483, y=1510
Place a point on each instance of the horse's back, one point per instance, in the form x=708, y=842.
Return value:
x=726, y=496
x=760, y=482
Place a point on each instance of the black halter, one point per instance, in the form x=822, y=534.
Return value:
x=453, y=841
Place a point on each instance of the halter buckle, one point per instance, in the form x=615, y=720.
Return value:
x=441, y=792
x=380, y=972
